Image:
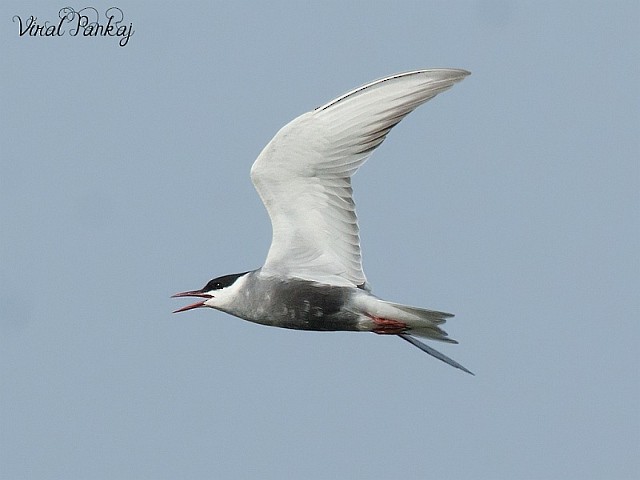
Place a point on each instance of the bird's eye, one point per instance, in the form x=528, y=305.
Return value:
x=212, y=285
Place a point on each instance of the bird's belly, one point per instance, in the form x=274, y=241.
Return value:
x=307, y=317
x=305, y=306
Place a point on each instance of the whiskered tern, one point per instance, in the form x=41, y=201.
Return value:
x=312, y=278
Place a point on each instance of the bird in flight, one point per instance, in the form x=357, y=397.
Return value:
x=312, y=278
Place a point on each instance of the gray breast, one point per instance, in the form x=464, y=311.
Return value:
x=301, y=305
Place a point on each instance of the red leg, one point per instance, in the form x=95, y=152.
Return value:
x=385, y=326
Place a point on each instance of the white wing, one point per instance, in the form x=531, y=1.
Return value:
x=303, y=175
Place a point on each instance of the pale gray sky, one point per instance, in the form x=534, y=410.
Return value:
x=511, y=200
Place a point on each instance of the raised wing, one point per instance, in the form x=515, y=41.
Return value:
x=303, y=175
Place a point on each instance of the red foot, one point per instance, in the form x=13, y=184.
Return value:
x=385, y=326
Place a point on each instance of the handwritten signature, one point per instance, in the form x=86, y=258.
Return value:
x=84, y=22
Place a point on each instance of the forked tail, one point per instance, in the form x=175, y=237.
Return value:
x=407, y=322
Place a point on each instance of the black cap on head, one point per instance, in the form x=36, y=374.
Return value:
x=222, y=282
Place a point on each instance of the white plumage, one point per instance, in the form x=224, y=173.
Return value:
x=303, y=175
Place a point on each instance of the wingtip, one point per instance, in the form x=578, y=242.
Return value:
x=446, y=70
x=454, y=74
x=434, y=353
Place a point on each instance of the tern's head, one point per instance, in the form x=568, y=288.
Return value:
x=216, y=293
